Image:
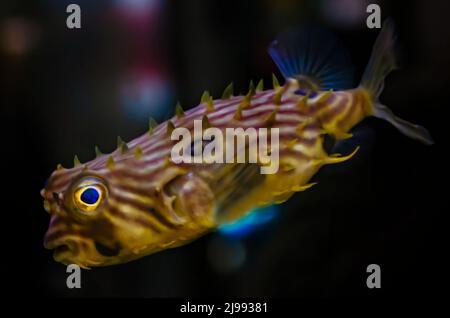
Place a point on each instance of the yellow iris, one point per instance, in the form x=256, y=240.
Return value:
x=89, y=195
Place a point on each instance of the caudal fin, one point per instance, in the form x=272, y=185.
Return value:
x=382, y=60
x=381, y=63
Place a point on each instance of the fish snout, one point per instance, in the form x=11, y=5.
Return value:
x=57, y=232
x=54, y=203
x=64, y=243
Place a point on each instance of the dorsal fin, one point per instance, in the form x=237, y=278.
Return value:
x=314, y=57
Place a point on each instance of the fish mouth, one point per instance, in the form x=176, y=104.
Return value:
x=64, y=247
x=63, y=254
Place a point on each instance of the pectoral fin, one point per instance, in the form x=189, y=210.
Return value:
x=231, y=184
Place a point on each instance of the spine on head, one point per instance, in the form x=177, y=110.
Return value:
x=381, y=63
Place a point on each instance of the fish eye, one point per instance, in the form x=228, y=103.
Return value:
x=89, y=195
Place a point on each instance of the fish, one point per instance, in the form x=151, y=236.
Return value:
x=137, y=201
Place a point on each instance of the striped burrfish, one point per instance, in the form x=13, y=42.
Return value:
x=136, y=200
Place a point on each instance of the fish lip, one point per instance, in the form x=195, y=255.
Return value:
x=60, y=250
x=53, y=244
x=64, y=256
x=51, y=241
x=65, y=250
x=57, y=233
x=63, y=244
x=58, y=244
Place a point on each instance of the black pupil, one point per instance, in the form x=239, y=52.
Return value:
x=90, y=196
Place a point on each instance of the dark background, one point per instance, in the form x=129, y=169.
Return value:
x=63, y=91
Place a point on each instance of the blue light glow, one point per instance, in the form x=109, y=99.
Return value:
x=143, y=94
x=249, y=223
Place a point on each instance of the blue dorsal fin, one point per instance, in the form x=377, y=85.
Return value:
x=314, y=57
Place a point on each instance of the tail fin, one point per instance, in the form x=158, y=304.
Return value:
x=381, y=63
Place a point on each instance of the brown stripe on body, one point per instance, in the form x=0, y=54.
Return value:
x=301, y=138
x=351, y=110
x=145, y=209
x=213, y=119
x=355, y=113
x=147, y=192
x=126, y=173
x=61, y=178
x=132, y=219
x=232, y=107
x=57, y=234
x=219, y=105
x=328, y=114
x=280, y=110
x=315, y=107
x=199, y=111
